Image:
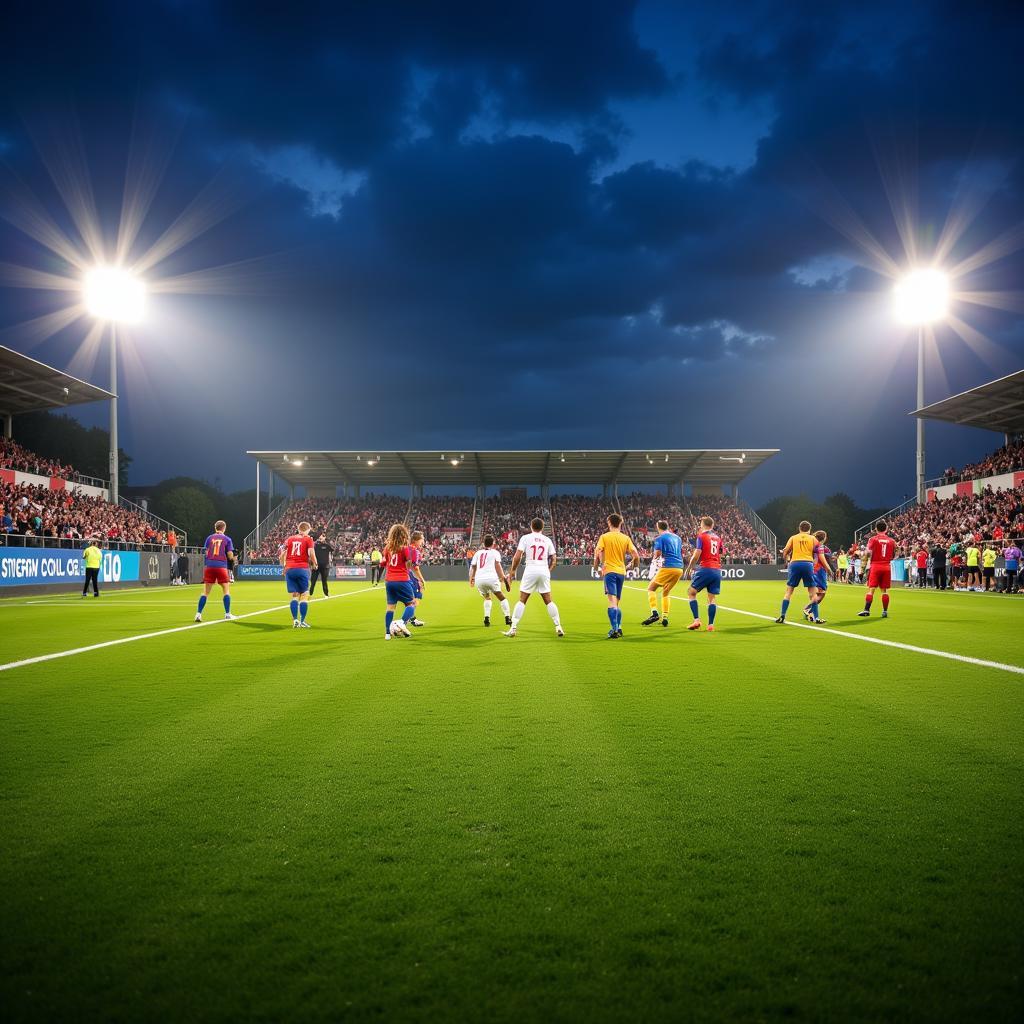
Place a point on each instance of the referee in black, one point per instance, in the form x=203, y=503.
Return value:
x=324, y=552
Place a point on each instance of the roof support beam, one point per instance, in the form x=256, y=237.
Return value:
x=480, y=478
x=618, y=468
x=547, y=467
x=347, y=480
x=405, y=465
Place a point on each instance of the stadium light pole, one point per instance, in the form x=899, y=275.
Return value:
x=921, y=298
x=114, y=296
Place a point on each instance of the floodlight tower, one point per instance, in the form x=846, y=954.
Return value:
x=921, y=298
x=114, y=296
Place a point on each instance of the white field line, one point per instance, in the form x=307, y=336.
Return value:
x=1017, y=669
x=161, y=632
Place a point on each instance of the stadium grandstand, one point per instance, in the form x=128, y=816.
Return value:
x=339, y=501
x=978, y=505
x=44, y=501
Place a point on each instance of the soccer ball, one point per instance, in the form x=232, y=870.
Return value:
x=396, y=629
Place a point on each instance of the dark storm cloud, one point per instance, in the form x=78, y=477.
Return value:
x=440, y=181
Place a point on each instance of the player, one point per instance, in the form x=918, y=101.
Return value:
x=416, y=575
x=799, y=551
x=881, y=549
x=669, y=548
x=822, y=569
x=488, y=576
x=397, y=558
x=610, y=555
x=708, y=549
x=218, y=552
x=297, y=554
x=538, y=554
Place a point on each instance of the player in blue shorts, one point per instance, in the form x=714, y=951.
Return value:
x=822, y=569
x=416, y=575
x=799, y=552
x=708, y=549
x=297, y=555
x=610, y=557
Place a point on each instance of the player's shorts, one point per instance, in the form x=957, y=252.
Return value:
x=535, y=581
x=988, y=572
x=417, y=590
x=668, y=577
x=821, y=579
x=880, y=577
x=801, y=574
x=707, y=579
x=216, y=574
x=489, y=587
x=399, y=592
x=297, y=580
x=613, y=582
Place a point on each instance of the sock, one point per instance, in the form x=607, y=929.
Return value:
x=505, y=608
x=487, y=609
x=389, y=617
x=517, y=613
x=202, y=604
x=814, y=610
x=712, y=609
x=666, y=605
x=652, y=599
x=553, y=612
x=611, y=617
x=885, y=602
x=303, y=608
x=409, y=613
x=227, y=603
x=868, y=598
x=695, y=608
x=618, y=618
x=294, y=605
x=785, y=607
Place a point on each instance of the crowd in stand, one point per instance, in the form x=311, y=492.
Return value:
x=740, y=539
x=579, y=522
x=39, y=515
x=1008, y=459
x=507, y=517
x=14, y=456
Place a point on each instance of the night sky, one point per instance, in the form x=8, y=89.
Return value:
x=530, y=225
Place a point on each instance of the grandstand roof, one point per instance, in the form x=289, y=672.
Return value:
x=998, y=405
x=26, y=385
x=557, y=468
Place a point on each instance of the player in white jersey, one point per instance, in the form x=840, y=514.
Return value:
x=537, y=554
x=657, y=564
x=487, y=575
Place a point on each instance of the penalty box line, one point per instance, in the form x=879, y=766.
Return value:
x=967, y=659
x=162, y=632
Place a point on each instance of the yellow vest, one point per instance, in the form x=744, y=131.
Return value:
x=93, y=557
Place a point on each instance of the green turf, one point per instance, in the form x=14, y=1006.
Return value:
x=243, y=821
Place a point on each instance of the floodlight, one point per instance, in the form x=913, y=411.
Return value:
x=922, y=297
x=116, y=294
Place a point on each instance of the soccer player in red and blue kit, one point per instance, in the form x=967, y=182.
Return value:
x=707, y=548
x=218, y=551
x=881, y=550
x=297, y=555
x=822, y=569
x=398, y=560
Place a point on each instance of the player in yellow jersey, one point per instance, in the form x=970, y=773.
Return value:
x=800, y=553
x=613, y=548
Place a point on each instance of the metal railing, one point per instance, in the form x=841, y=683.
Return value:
x=153, y=519
x=254, y=539
x=22, y=540
x=870, y=525
x=762, y=529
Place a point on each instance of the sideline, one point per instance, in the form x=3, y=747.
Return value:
x=162, y=632
x=1017, y=669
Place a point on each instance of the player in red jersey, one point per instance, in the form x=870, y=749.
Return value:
x=218, y=553
x=399, y=559
x=881, y=550
x=297, y=554
x=707, y=548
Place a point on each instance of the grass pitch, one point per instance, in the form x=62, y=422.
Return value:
x=248, y=821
